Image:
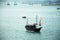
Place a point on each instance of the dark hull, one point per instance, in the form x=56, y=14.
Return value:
x=32, y=28
x=58, y=8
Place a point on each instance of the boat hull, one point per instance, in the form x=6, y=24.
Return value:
x=32, y=28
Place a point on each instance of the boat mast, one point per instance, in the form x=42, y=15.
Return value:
x=27, y=21
x=36, y=19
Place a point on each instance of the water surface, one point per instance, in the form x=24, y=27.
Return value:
x=12, y=24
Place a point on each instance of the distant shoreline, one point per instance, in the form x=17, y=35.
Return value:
x=50, y=5
x=32, y=4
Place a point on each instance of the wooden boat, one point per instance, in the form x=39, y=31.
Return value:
x=32, y=27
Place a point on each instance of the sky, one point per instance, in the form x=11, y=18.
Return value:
x=28, y=1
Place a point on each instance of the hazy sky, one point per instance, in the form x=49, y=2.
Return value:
x=24, y=0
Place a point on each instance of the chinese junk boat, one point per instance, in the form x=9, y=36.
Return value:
x=33, y=27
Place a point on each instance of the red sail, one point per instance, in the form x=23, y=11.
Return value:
x=40, y=23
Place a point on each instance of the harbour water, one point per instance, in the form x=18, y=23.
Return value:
x=12, y=26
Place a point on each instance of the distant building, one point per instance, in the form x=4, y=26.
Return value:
x=8, y=3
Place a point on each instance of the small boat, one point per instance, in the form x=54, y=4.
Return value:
x=8, y=3
x=24, y=17
x=58, y=8
x=15, y=3
x=32, y=27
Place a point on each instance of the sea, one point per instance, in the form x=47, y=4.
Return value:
x=12, y=25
